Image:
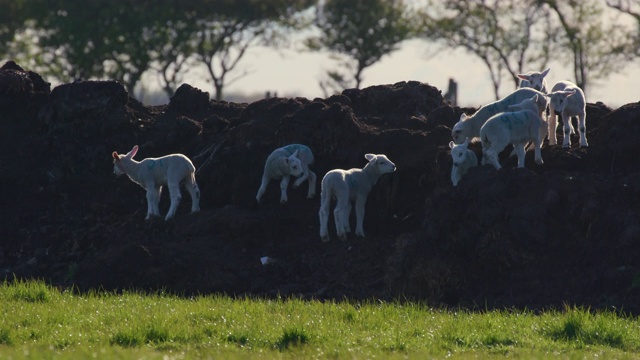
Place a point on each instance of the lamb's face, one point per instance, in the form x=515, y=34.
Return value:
x=536, y=81
x=116, y=169
x=560, y=99
x=295, y=166
x=383, y=164
x=459, y=154
x=117, y=165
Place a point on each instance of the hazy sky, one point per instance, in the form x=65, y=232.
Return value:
x=292, y=73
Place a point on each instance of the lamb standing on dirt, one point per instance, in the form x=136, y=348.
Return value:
x=535, y=80
x=517, y=128
x=293, y=159
x=347, y=186
x=568, y=99
x=469, y=126
x=154, y=173
x=463, y=159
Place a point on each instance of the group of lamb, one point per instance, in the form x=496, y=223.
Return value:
x=518, y=119
x=345, y=186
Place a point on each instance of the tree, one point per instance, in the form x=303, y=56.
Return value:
x=225, y=34
x=174, y=52
x=509, y=36
x=632, y=8
x=597, y=46
x=363, y=31
x=99, y=38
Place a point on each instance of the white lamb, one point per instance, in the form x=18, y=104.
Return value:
x=154, y=173
x=347, y=186
x=469, y=126
x=463, y=159
x=535, y=80
x=293, y=159
x=568, y=99
x=515, y=127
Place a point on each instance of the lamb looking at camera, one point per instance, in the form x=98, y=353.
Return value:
x=154, y=173
x=463, y=159
x=293, y=159
x=535, y=80
x=568, y=99
x=517, y=128
x=469, y=126
x=347, y=186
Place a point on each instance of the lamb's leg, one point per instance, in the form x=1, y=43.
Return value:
x=537, y=152
x=573, y=130
x=544, y=131
x=153, y=198
x=341, y=216
x=553, y=124
x=345, y=218
x=156, y=204
x=492, y=158
x=174, y=192
x=519, y=149
x=263, y=187
x=582, y=129
x=312, y=185
x=284, y=183
x=566, y=121
x=337, y=218
x=325, y=200
x=360, y=202
x=194, y=192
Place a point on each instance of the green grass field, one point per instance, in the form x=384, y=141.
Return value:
x=41, y=322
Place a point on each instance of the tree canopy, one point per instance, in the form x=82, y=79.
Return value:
x=363, y=31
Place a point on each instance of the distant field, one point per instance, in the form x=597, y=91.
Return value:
x=38, y=321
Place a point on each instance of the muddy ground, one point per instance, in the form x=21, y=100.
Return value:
x=566, y=232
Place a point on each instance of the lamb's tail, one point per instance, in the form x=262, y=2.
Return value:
x=325, y=195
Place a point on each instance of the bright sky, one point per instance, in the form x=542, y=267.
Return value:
x=291, y=73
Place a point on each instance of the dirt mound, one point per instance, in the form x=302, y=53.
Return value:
x=562, y=232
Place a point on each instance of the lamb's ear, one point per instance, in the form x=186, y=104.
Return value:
x=295, y=153
x=524, y=77
x=451, y=144
x=544, y=73
x=115, y=155
x=463, y=117
x=369, y=157
x=287, y=161
x=133, y=152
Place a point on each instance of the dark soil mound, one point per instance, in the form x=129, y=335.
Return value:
x=563, y=232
